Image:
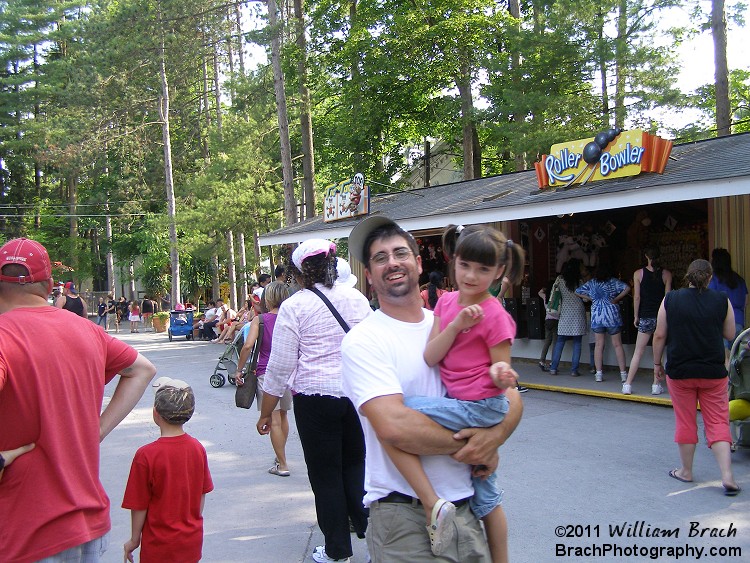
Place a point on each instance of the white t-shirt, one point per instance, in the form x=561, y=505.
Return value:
x=383, y=356
x=210, y=314
x=258, y=292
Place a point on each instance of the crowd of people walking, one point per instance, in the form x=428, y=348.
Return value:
x=431, y=412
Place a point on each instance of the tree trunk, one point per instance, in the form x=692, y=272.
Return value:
x=621, y=65
x=240, y=42
x=721, y=69
x=305, y=119
x=131, y=283
x=174, y=253
x=206, y=113
x=217, y=90
x=603, y=69
x=463, y=82
x=215, y=289
x=110, y=256
x=357, y=158
x=514, y=8
x=231, y=273
x=256, y=248
x=290, y=204
x=243, y=266
x=73, y=226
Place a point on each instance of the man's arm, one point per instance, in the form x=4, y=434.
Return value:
x=397, y=425
x=482, y=443
x=10, y=455
x=133, y=382
x=60, y=301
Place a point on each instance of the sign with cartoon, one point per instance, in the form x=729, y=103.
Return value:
x=346, y=199
x=610, y=154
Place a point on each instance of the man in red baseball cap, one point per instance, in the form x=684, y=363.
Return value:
x=71, y=301
x=51, y=394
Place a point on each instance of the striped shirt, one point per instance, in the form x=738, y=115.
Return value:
x=306, y=348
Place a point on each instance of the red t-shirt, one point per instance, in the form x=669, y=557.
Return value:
x=168, y=479
x=53, y=368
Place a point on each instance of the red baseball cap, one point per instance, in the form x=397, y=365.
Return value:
x=29, y=254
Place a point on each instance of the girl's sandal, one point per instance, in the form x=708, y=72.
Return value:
x=441, y=526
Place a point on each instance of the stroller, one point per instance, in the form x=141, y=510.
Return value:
x=228, y=362
x=739, y=387
x=180, y=324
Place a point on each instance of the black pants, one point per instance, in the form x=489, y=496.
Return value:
x=208, y=329
x=334, y=448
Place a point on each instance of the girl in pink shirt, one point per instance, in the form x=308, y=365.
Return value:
x=470, y=340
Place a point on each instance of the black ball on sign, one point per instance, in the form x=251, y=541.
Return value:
x=612, y=133
x=602, y=139
x=592, y=152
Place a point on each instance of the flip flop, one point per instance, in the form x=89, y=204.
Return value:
x=731, y=491
x=673, y=475
x=276, y=471
x=441, y=526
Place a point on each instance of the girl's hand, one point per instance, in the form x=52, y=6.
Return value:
x=636, y=322
x=503, y=376
x=468, y=317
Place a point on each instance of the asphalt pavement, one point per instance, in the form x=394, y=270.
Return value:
x=585, y=475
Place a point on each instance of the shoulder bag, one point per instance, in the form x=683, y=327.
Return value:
x=555, y=298
x=335, y=313
x=244, y=395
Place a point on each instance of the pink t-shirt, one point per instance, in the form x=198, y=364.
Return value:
x=465, y=368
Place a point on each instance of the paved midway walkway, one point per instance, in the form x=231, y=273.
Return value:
x=579, y=470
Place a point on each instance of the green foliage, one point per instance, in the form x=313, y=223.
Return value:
x=82, y=136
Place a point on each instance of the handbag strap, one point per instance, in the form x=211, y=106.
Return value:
x=336, y=314
x=258, y=344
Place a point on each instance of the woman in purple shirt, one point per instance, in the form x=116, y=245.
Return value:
x=275, y=293
x=731, y=284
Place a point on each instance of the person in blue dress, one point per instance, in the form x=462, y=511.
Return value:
x=605, y=291
x=731, y=284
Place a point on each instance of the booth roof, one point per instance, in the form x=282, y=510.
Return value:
x=704, y=169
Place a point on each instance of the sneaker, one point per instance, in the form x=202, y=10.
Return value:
x=623, y=376
x=656, y=389
x=552, y=371
x=320, y=556
x=627, y=389
x=592, y=371
x=575, y=373
x=521, y=388
x=543, y=366
x=598, y=377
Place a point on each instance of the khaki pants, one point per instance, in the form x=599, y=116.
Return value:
x=397, y=534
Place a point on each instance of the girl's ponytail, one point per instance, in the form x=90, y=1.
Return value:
x=450, y=240
x=514, y=262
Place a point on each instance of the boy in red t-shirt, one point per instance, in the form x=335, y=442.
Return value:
x=168, y=482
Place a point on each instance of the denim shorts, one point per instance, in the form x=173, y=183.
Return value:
x=611, y=330
x=89, y=552
x=647, y=326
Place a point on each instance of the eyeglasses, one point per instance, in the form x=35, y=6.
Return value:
x=400, y=255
